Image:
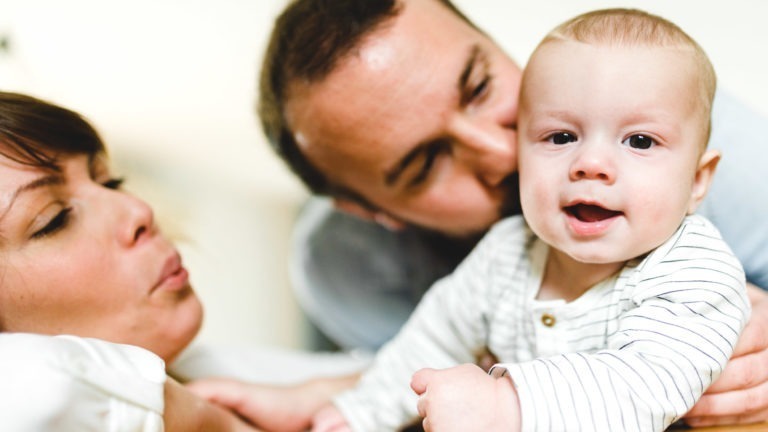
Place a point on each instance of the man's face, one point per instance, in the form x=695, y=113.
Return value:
x=420, y=121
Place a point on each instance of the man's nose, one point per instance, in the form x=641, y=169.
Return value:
x=487, y=148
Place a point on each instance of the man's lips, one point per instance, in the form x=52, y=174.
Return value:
x=590, y=213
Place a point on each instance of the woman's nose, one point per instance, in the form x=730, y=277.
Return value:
x=592, y=162
x=138, y=221
x=488, y=149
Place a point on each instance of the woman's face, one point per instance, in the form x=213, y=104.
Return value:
x=79, y=256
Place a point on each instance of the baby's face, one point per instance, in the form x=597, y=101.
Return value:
x=610, y=141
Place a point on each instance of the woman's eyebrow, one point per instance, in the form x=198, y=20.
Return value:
x=40, y=182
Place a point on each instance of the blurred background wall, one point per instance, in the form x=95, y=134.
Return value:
x=171, y=86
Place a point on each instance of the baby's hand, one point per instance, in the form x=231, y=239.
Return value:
x=465, y=398
x=329, y=419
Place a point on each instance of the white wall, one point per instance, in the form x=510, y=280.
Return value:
x=733, y=33
x=171, y=85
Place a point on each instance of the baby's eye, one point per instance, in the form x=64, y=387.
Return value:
x=113, y=183
x=561, y=138
x=640, y=142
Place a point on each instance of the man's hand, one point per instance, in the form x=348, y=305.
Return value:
x=278, y=408
x=464, y=398
x=740, y=395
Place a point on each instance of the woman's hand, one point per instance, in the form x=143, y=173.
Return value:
x=740, y=395
x=278, y=408
x=185, y=412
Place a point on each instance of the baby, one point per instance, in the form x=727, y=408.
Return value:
x=610, y=306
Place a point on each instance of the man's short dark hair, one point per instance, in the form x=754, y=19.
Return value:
x=308, y=40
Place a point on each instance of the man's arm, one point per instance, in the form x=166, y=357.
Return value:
x=740, y=395
x=737, y=199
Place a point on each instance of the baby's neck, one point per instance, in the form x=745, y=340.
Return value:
x=567, y=279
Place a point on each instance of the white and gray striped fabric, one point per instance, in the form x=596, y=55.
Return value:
x=633, y=353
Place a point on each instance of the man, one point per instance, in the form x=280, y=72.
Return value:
x=404, y=113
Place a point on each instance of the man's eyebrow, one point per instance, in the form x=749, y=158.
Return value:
x=392, y=175
x=469, y=65
x=40, y=182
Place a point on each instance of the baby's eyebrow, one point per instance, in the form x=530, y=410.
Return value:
x=40, y=182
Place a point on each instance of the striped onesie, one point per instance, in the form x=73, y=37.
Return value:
x=633, y=353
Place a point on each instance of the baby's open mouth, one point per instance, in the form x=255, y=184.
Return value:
x=590, y=213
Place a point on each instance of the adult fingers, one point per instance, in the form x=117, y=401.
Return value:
x=226, y=392
x=742, y=373
x=757, y=417
x=754, y=337
x=742, y=403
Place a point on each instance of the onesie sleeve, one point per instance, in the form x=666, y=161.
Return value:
x=68, y=383
x=448, y=328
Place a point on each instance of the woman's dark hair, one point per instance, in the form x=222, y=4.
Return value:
x=34, y=132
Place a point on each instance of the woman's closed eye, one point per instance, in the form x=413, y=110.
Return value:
x=56, y=224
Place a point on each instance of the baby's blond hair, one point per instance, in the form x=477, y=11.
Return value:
x=632, y=27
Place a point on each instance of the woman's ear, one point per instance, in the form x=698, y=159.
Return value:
x=366, y=213
x=704, y=173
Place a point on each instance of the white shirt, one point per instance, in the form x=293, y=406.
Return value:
x=634, y=352
x=72, y=384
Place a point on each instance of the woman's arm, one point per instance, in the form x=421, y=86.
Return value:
x=272, y=407
x=185, y=412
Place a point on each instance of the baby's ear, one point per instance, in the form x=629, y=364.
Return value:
x=704, y=173
x=363, y=212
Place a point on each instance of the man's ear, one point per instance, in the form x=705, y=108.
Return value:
x=704, y=173
x=366, y=213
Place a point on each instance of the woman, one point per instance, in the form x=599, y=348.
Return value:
x=81, y=257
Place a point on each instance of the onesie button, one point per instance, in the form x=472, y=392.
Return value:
x=548, y=320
